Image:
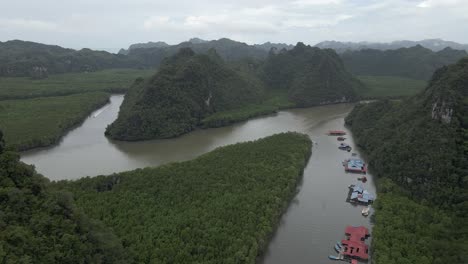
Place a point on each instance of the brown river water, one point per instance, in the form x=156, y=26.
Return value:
x=315, y=219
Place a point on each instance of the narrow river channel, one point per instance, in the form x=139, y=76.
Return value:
x=314, y=221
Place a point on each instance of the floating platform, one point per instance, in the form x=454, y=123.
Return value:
x=359, y=195
x=354, y=246
x=355, y=165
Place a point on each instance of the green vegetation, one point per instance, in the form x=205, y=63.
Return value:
x=36, y=113
x=198, y=211
x=310, y=76
x=28, y=59
x=376, y=87
x=228, y=50
x=410, y=232
x=418, y=148
x=112, y=81
x=203, y=90
x=38, y=225
x=38, y=122
x=416, y=62
x=275, y=102
x=186, y=89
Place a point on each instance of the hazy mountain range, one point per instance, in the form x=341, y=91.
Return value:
x=267, y=46
x=432, y=44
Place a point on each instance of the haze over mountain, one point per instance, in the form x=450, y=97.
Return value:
x=432, y=44
x=267, y=46
x=415, y=62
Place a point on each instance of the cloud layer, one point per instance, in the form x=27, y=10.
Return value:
x=110, y=25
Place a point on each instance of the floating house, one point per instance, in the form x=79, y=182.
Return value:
x=336, y=133
x=358, y=195
x=354, y=246
x=355, y=166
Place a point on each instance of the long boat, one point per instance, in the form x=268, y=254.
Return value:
x=336, y=133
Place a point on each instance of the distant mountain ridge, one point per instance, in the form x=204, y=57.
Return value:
x=415, y=62
x=432, y=44
x=25, y=58
x=267, y=46
x=158, y=44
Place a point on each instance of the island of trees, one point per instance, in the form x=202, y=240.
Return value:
x=418, y=149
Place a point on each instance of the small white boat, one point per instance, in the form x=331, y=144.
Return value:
x=365, y=211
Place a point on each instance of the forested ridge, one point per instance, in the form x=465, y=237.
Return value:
x=310, y=76
x=418, y=149
x=191, y=90
x=186, y=88
x=415, y=62
x=40, y=225
x=23, y=58
x=221, y=207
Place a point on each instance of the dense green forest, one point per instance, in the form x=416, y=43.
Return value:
x=35, y=60
x=42, y=121
x=416, y=62
x=23, y=58
x=39, y=225
x=198, y=211
x=111, y=81
x=274, y=102
x=379, y=87
x=191, y=90
x=186, y=88
x=311, y=76
x=418, y=148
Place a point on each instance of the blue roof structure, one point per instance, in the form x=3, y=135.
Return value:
x=361, y=195
x=355, y=163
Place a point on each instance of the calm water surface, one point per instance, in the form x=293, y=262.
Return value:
x=314, y=221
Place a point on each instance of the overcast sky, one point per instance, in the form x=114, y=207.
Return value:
x=113, y=24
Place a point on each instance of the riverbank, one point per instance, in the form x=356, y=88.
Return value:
x=40, y=122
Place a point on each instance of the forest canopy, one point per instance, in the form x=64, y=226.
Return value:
x=418, y=148
x=198, y=211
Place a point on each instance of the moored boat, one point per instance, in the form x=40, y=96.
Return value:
x=336, y=133
x=335, y=257
x=365, y=211
x=341, y=138
x=344, y=146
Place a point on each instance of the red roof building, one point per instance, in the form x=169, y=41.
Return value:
x=354, y=246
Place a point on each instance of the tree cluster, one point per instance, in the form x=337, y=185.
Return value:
x=39, y=225
x=221, y=207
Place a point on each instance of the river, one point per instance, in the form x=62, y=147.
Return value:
x=315, y=219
